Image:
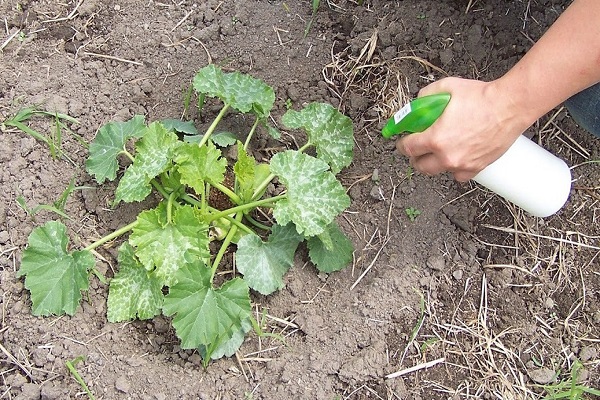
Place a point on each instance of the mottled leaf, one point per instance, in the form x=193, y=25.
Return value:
x=154, y=152
x=54, y=276
x=134, y=291
x=198, y=165
x=314, y=196
x=165, y=246
x=328, y=129
x=264, y=264
x=240, y=91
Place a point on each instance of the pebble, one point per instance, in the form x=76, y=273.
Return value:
x=458, y=274
x=588, y=353
x=123, y=384
x=436, y=263
x=542, y=376
x=376, y=193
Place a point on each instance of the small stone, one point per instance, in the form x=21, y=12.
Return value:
x=588, y=353
x=549, y=303
x=122, y=384
x=542, y=376
x=376, y=193
x=458, y=274
x=436, y=263
x=30, y=391
x=375, y=175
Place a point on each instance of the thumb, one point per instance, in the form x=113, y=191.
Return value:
x=413, y=145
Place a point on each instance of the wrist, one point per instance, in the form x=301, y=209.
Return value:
x=514, y=107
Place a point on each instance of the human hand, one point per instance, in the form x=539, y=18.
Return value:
x=479, y=124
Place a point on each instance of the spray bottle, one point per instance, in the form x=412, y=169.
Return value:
x=526, y=175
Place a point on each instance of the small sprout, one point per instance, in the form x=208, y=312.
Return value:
x=412, y=213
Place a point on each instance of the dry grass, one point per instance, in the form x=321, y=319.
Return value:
x=367, y=75
x=484, y=355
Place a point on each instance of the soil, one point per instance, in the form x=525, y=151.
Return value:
x=498, y=302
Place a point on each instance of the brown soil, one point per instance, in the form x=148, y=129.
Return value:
x=506, y=299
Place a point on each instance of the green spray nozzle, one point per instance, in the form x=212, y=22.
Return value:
x=417, y=115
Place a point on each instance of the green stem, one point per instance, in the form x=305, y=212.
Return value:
x=306, y=146
x=224, y=246
x=251, y=133
x=262, y=186
x=213, y=126
x=245, y=207
x=112, y=236
x=160, y=189
x=196, y=203
x=269, y=178
x=228, y=192
x=170, y=207
x=128, y=155
x=257, y=224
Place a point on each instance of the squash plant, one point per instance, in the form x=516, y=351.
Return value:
x=165, y=265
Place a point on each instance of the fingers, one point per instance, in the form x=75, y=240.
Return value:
x=414, y=145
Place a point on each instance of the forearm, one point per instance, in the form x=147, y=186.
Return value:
x=563, y=62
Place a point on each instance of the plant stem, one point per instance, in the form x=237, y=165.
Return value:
x=159, y=188
x=213, y=126
x=251, y=133
x=228, y=192
x=247, y=206
x=196, y=203
x=269, y=178
x=170, y=207
x=128, y=155
x=224, y=246
x=262, y=186
x=112, y=236
x=258, y=224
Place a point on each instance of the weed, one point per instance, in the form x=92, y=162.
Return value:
x=71, y=367
x=54, y=139
x=57, y=207
x=412, y=213
x=570, y=388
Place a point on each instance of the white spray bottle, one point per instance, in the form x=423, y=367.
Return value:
x=526, y=175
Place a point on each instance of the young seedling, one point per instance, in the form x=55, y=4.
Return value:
x=168, y=250
x=412, y=213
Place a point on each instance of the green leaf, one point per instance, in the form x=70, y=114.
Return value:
x=328, y=129
x=198, y=165
x=244, y=170
x=177, y=125
x=264, y=264
x=314, y=197
x=54, y=276
x=240, y=91
x=154, y=152
x=168, y=246
x=205, y=316
x=332, y=254
x=109, y=142
x=229, y=347
x=223, y=139
x=134, y=291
